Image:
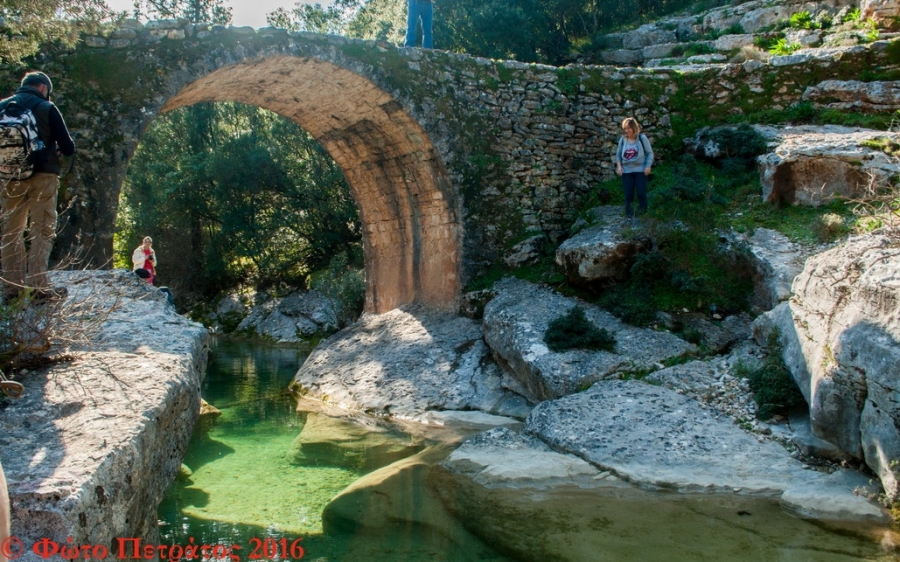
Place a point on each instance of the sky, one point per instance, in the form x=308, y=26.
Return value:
x=244, y=12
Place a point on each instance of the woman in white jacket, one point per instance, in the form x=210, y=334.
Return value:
x=144, y=257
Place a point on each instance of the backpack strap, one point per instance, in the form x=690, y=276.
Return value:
x=644, y=142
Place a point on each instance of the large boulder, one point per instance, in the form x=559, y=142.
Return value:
x=293, y=318
x=879, y=9
x=846, y=316
x=95, y=442
x=853, y=95
x=605, y=251
x=517, y=318
x=809, y=165
x=406, y=362
x=657, y=438
x=545, y=503
x=360, y=444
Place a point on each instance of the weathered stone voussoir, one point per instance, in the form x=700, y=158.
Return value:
x=94, y=443
x=517, y=318
x=406, y=362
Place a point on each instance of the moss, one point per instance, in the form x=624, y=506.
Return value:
x=568, y=81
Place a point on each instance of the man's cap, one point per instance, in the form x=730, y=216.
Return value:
x=37, y=78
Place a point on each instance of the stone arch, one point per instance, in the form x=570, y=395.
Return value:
x=409, y=213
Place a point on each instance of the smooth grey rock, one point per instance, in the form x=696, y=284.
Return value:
x=406, y=362
x=732, y=42
x=503, y=458
x=94, y=443
x=517, y=318
x=656, y=438
x=605, y=251
x=840, y=496
x=847, y=322
x=470, y=419
x=810, y=445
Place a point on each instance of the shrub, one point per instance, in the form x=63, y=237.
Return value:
x=574, y=331
x=783, y=48
x=802, y=20
x=830, y=226
x=773, y=386
x=344, y=285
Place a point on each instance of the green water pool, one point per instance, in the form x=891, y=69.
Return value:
x=243, y=490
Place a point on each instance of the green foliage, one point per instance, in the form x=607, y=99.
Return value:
x=234, y=195
x=194, y=11
x=574, y=331
x=802, y=20
x=734, y=29
x=783, y=48
x=28, y=24
x=805, y=113
x=773, y=386
x=853, y=15
x=345, y=285
x=740, y=145
x=872, y=31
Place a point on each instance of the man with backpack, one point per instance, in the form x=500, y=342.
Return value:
x=29, y=193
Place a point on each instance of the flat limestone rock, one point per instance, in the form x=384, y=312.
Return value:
x=517, y=318
x=502, y=458
x=94, y=443
x=407, y=362
x=656, y=438
x=839, y=496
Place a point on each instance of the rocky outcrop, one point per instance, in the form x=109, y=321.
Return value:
x=853, y=95
x=879, y=9
x=293, y=318
x=406, y=362
x=514, y=326
x=845, y=349
x=542, y=503
x=809, y=165
x=95, y=442
x=604, y=251
x=774, y=261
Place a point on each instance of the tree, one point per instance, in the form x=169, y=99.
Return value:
x=233, y=194
x=26, y=24
x=194, y=11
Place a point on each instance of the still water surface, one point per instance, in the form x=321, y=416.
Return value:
x=243, y=490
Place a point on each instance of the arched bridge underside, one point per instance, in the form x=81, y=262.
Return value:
x=411, y=231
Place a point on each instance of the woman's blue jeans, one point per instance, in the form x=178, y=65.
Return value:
x=419, y=9
x=635, y=182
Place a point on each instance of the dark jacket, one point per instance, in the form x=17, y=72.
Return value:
x=51, y=128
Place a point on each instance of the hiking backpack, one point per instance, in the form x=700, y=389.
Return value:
x=19, y=142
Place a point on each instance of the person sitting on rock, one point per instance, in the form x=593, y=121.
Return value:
x=144, y=258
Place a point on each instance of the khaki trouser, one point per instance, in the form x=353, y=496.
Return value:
x=34, y=199
x=4, y=513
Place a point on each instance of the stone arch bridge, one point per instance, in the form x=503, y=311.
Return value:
x=451, y=158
